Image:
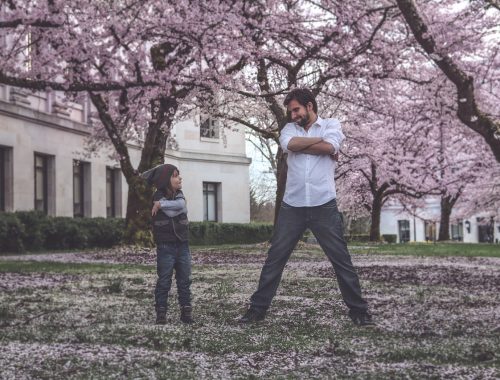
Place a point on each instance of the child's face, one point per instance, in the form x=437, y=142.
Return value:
x=176, y=181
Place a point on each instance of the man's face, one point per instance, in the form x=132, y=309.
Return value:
x=298, y=113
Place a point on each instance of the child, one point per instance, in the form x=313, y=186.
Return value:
x=170, y=231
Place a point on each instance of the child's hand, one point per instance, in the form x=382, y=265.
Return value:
x=156, y=207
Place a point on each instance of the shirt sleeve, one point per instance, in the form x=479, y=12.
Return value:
x=173, y=207
x=333, y=134
x=286, y=135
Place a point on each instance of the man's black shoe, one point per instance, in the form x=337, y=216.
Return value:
x=253, y=315
x=361, y=319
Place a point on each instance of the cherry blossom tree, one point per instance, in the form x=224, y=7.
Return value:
x=388, y=150
x=305, y=43
x=474, y=48
x=451, y=36
x=482, y=195
x=140, y=62
x=459, y=162
x=136, y=60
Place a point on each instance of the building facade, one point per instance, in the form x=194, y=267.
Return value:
x=423, y=225
x=44, y=163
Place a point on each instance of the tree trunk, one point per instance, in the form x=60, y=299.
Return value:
x=138, y=217
x=447, y=203
x=376, y=211
x=163, y=109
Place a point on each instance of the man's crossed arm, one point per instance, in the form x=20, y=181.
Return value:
x=311, y=145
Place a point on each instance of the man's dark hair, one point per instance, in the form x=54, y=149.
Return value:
x=303, y=96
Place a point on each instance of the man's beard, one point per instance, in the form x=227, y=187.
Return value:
x=304, y=120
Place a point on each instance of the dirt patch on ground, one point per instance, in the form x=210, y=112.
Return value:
x=13, y=281
x=214, y=257
x=145, y=256
x=487, y=280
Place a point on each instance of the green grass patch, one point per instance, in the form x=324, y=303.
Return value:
x=17, y=266
x=95, y=320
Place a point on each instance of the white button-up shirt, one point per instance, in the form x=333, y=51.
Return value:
x=311, y=178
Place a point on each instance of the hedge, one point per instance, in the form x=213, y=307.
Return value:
x=209, y=233
x=360, y=238
x=390, y=238
x=34, y=231
x=12, y=233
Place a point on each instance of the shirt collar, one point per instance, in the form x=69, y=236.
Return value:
x=319, y=121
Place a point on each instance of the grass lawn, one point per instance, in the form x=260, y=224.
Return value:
x=430, y=249
x=90, y=315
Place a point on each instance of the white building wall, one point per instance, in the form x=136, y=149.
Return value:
x=389, y=223
x=231, y=141
x=30, y=123
x=394, y=212
x=221, y=160
x=29, y=132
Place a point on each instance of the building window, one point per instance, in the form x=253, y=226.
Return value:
x=404, y=231
x=77, y=188
x=210, y=204
x=209, y=127
x=110, y=193
x=430, y=231
x=81, y=188
x=44, y=183
x=41, y=183
x=457, y=231
x=6, y=179
x=3, y=184
x=113, y=192
x=485, y=230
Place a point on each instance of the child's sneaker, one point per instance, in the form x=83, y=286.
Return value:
x=187, y=314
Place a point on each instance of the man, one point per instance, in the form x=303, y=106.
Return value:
x=309, y=202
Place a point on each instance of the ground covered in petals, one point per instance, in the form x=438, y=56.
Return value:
x=90, y=315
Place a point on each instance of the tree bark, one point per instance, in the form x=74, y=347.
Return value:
x=281, y=120
x=376, y=211
x=138, y=217
x=447, y=204
x=444, y=226
x=138, y=229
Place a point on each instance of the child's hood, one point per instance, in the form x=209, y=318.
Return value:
x=159, y=176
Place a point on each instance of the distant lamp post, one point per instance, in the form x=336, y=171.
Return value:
x=467, y=226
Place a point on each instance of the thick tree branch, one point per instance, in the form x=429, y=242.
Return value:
x=265, y=87
x=35, y=23
x=263, y=132
x=43, y=85
x=113, y=134
x=468, y=111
